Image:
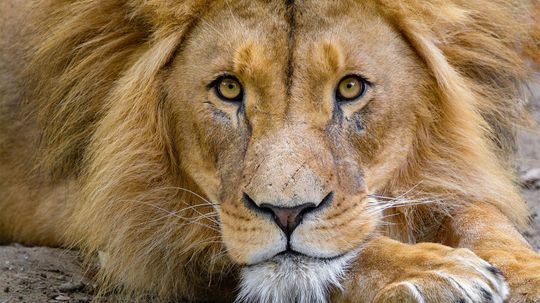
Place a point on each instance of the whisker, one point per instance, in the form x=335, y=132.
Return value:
x=173, y=214
x=191, y=192
x=196, y=210
x=189, y=219
x=393, y=202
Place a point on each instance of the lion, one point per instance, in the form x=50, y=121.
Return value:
x=272, y=151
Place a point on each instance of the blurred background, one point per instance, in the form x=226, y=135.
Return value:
x=528, y=157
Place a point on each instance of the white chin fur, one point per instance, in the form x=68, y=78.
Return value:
x=292, y=279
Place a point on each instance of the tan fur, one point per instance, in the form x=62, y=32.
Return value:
x=111, y=141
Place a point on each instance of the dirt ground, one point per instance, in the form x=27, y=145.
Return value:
x=40, y=274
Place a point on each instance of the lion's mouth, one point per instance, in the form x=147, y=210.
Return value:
x=290, y=254
x=293, y=254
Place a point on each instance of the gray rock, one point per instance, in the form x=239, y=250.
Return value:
x=71, y=286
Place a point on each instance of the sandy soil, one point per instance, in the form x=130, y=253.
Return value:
x=39, y=274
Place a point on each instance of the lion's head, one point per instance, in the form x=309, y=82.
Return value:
x=290, y=127
x=264, y=135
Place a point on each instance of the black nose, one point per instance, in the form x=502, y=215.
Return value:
x=288, y=218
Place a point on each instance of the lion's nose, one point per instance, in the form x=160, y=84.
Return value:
x=287, y=218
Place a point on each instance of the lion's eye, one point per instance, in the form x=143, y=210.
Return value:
x=350, y=88
x=229, y=89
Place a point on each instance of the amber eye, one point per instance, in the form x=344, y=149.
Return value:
x=350, y=88
x=229, y=89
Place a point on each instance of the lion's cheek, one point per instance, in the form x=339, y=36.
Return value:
x=250, y=240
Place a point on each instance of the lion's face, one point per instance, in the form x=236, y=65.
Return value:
x=292, y=119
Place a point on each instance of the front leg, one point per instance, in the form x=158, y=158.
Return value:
x=391, y=271
x=491, y=235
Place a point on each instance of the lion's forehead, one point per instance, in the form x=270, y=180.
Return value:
x=289, y=52
x=283, y=34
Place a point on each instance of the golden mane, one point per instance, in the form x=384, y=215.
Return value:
x=475, y=52
x=96, y=96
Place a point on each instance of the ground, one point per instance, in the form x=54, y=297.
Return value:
x=40, y=274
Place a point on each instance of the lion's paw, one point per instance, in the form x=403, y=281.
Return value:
x=460, y=276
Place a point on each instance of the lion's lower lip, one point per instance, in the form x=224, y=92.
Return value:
x=297, y=256
x=289, y=253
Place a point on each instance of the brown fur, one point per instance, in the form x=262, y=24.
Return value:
x=115, y=155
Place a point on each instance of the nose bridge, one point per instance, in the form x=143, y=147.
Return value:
x=288, y=167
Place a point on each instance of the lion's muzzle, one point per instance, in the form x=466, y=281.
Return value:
x=294, y=196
